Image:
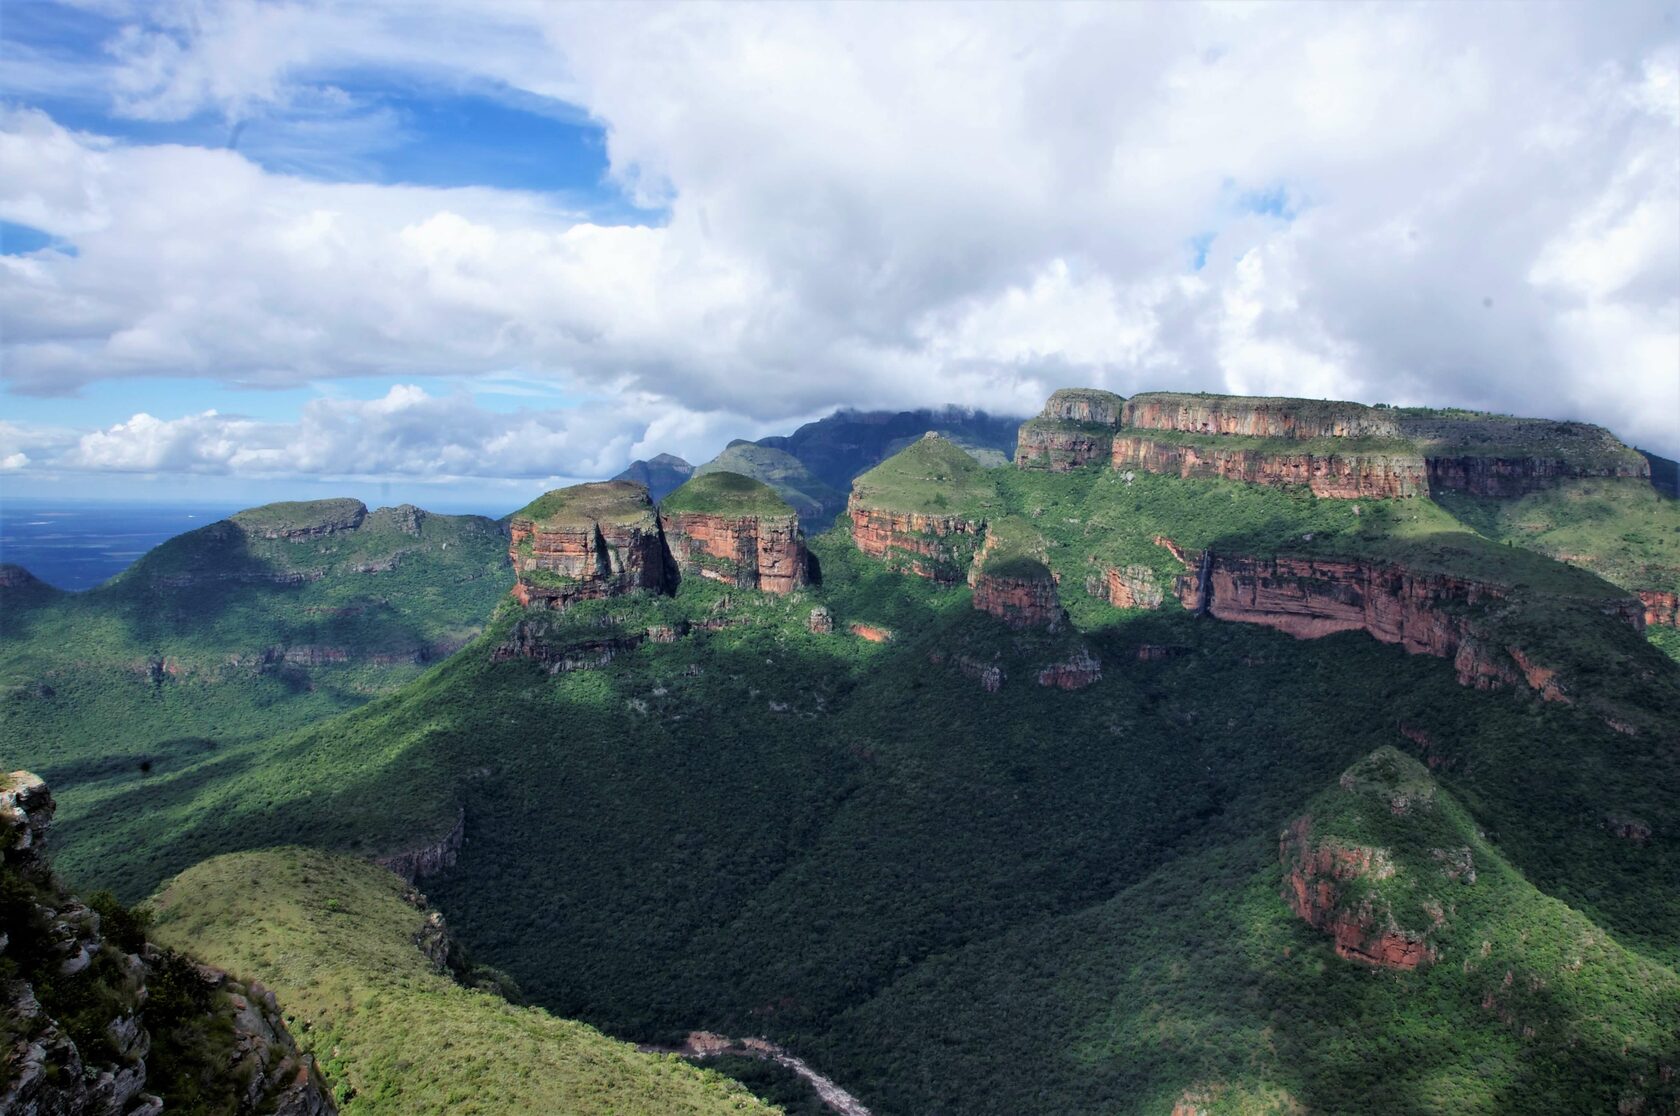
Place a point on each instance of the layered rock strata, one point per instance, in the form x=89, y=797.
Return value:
x=1518, y=475
x=1020, y=592
x=1344, y=476
x=750, y=552
x=1661, y=607
x=937, y=547
x=1076, y=428
x=1426, y=613
x=1257, y=417
x=587, y=542
x=1319, y=874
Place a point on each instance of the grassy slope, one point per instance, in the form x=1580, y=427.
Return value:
x=334, y=939
x=84, y=707
x=782, y=471
x=621, y=503
x=723, y=493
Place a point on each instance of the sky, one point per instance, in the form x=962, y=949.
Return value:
x=458, y=252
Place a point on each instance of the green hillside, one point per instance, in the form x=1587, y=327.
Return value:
x=174, y=672
x=335, y=939
x=722, y=493
x=815, y=501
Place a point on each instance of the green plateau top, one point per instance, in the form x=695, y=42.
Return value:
x=302, y=515
x=724, y=493
x=931, y=476
x=609, y=503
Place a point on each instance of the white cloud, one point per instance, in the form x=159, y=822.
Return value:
x=407, y=432
x=970, y=204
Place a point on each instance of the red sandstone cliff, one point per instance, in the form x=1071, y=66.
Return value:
x=576, y=557
x=1426, y=613
x=750, y=552
x=1020, y=602
x=1660, y=607
x=1316, y=875
x=1336, y=476
x=937, y=547
x=1075, y=428
x=1257, y=417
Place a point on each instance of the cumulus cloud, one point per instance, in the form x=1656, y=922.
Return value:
x=974, y=204
x=408, y=432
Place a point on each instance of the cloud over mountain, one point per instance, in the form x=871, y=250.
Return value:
x=1453, y=204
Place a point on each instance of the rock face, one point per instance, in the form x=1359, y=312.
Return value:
x=937, y=547
x=1128, y=587
x=1426, y=613
x=587, y=542
x=1075, y=429
x=307, y=519
x=415, y=864
x=1660, y=607
x=52, y=940
x=1079, y=671
x=1020, y=592
x=1317, y=876
x=1256, y=416
x=750, y=552
x=1517, y=475
x=1343, y=476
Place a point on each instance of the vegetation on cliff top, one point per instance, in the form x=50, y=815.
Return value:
x=335, y=939
x=724, y=493
x=793, y=482
x=610, y=503
x=930, y=476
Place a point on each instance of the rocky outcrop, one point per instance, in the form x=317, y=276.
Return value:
x=301, y=521
x=1022, y=594
x=1128, y=587
x=1318, y=874
x=990, y=675
x=1342, y=476
x=1426, y=613
x=1076, y=428
x=820, y=622
x=429, y=859
x=750, y=552
x=937, y=547
x=1079, y=670
x=1661, y=607
x=51, y=942
x=1518, y=475
x=16, y=577
x=561, y=652
x=1257, y=416
x=587, y=542
x=871, y=632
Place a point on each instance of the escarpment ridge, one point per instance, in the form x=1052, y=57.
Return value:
x=1336, y=449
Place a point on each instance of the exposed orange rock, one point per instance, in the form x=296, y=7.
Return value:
x=937, y=547
x=1342, y=476
x=870, y=632
x=1061, y=447
x=1256, y=417
x=1129, y=587
x=1660, y=607
x=1019, y=602
x=559, y=563
x=1432, y=614
x=1315, y=874
x=751, y=552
